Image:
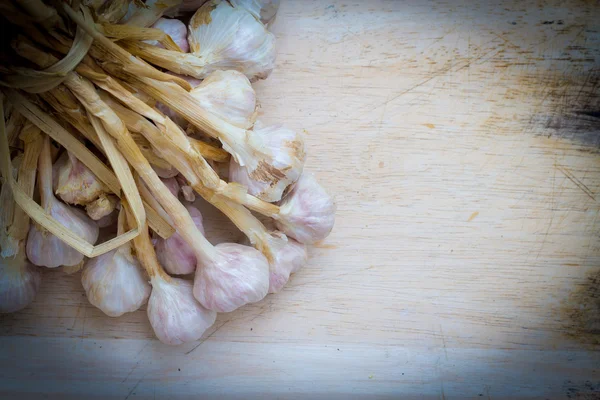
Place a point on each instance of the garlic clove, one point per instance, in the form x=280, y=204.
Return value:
x=174, y=28
x=239, y=276
x=286, y=148
x=19, y=282
x=75, y=183
x=262, y=10
x=226, y=38
x=45, y=249
x=288, y=259
x=115, y=283
x=174, y=254
x=307, y=212
x=174, y=313
x=228, y=95
x=102, y=206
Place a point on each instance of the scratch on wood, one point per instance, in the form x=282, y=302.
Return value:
x=576, y=181
x=473, y=216
x=209, y=336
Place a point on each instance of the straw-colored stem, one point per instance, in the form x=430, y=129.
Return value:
x=45, y=174
x=136, y=33
x=144, y=252
x=33, y=141
x=108, y=51
x=103, y=117
x=179, y=63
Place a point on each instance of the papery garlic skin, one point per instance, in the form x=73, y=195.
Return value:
x=101, y=207
x=45, y=249
x=115, y=283
x=174, y=28
x=174, y=313
x=240, y=276
x=307, y=212
x=227, y=38
x=228, y=95
x=286, y=148
x=287, y=260
x=174, y=254
x=19, y=282
x=75, y=183
x=263, y=10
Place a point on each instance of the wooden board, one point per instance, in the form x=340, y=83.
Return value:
x=460, y=140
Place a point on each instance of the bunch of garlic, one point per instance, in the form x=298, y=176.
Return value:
x=43, y=248
x=226, y=37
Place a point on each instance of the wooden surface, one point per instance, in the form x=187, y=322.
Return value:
x=460, y=140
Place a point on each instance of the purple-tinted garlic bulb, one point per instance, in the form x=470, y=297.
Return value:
x=238, y=276
x=288, y=258
x=307, y=213
x=174, y=313
x=174, y=254
x=172, y=185
x=165, y=173
x=19, y=281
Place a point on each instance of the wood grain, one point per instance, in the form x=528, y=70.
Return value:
x=460, y=140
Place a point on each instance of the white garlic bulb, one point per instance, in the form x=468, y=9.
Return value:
x=43, y=248
x=19, y=282
x=307, y=212
x=228, y=95
x=75, y=183
x=287, y=259
x=174, y=28
x=263, y=10
x=226, y=37
x=239, y=276
x=115, y=283
x=174, y=254
x=286, y=148
x=174, y=313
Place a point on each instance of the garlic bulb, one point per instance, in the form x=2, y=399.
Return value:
x=307, y=213
x=101, y=207
x=239, y=276
x=43, y=248
x=228, y=95
x=174, y=28
x=288, y=259
x=286, y=148
x=174, y=313
x=19, y=282
x=174, y=254
x=224, y=37
x=263, y=10
x=114, y=281
x=75, y=183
